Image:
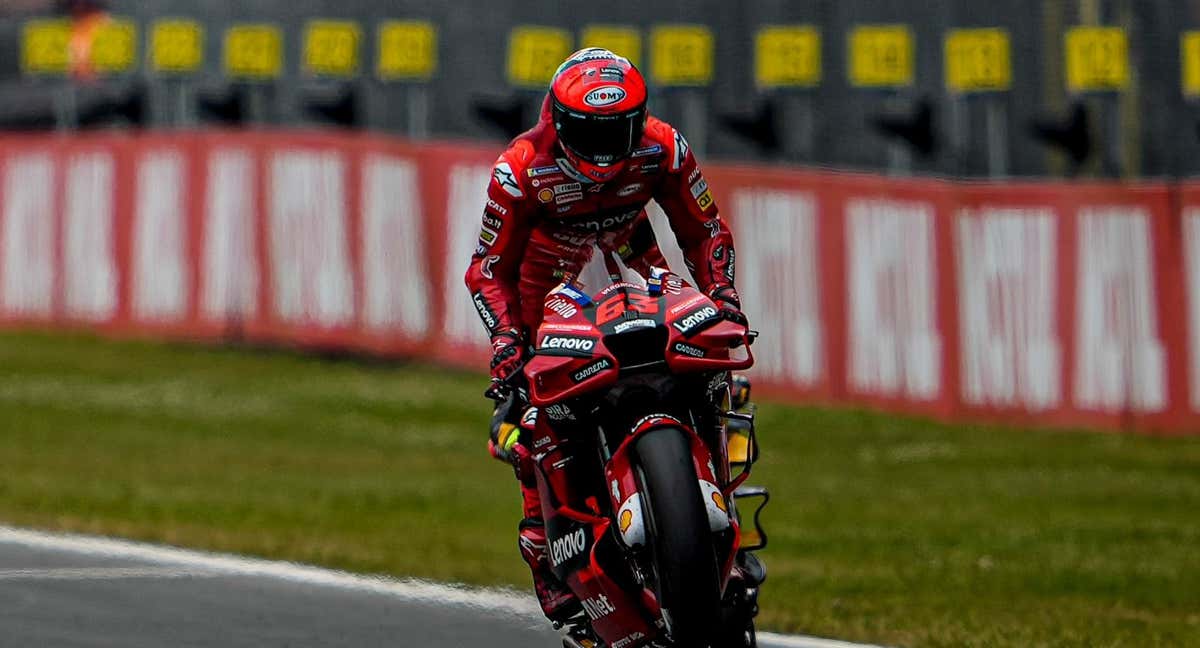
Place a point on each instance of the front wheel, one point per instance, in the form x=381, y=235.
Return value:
x=685, y=565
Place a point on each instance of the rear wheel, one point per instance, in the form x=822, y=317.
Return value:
x=685, y=566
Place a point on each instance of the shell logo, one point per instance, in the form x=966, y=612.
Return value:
x=626, y=520
x=720, y=502
x=606, y=96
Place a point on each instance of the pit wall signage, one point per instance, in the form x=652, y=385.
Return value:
x=1031, y=303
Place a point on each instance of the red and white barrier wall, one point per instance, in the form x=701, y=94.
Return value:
x=1062, y=304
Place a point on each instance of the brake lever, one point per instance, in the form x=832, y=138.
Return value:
x=498, y=391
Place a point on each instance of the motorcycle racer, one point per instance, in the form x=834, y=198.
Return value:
x=578, y=181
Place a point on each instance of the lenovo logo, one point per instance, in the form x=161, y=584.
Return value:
x=570, y=344
x=567, y=547
x=695, y=320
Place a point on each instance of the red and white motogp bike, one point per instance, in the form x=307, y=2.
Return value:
x=640, y=459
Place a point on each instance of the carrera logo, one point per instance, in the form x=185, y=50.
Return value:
x=606, y=96
x=688, y=350
x=696, y=320
x=591, y=370
x=571, y=345
x=567, y=547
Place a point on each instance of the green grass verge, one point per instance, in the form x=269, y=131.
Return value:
x=883, y=528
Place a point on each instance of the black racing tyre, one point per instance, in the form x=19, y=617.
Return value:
x=685, y=565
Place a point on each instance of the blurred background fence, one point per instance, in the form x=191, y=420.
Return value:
x=1103, y=88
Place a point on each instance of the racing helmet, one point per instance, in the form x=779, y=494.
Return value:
x=598, y=101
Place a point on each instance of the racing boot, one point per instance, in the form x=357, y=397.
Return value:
x=558, y=602
x=739, y=433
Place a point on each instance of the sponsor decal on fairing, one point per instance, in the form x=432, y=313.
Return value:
x=634, y=324
x=688, y=350
x=569, y=187
x=591, y=370
x=559, y=412
x=696, y=320
x=630, y=522
x=598, y=607
x=562, y=307
x=567, y=345
x=568, y=546
x=629, y=190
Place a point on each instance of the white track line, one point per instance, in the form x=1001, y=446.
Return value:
x=198, y=563
x=103, y=573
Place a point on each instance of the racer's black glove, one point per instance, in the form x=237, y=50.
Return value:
x=729, y=306
x=508, y=354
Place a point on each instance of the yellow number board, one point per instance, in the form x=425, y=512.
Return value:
x=534, y=53
x=623, y=41
x=331, y=47
x=1097, y=58
x=681, y=55
x=115, y=48
x=44, y=46
x=787, y=56
x=407, y=50
x=881, y=56
x=978, y=60
x=254, y=51
x=1189, y=52
x=176, y=46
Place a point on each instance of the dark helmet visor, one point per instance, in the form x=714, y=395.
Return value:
x=599, y=139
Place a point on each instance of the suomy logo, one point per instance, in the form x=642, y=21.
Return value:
x=606, y=96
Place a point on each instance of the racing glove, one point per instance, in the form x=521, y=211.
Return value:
x=729, y=306
x=507, y=355
x=504, y=442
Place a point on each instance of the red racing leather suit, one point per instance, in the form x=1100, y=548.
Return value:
x=542, y=222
